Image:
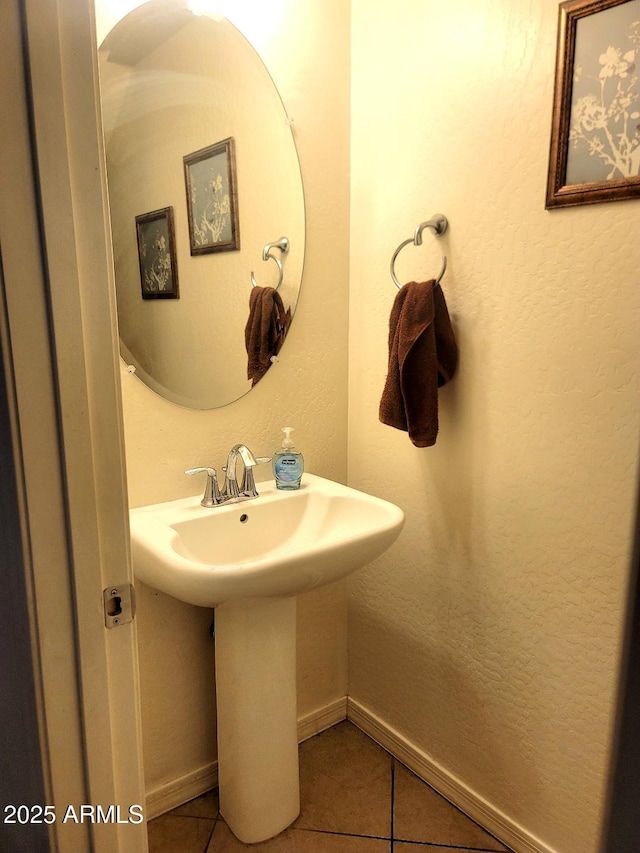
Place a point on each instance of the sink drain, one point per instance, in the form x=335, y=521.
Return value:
x=244, y=518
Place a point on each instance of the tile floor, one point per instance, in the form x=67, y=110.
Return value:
x=355, y=798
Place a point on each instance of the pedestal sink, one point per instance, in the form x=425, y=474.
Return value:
x=249, y=560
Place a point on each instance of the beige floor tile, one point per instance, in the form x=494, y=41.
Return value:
x=207, y=805
x=421, y=814
x=297, y=841
x=345, y=783
x=171, y=834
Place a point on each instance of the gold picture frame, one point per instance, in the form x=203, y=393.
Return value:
x=595, y=135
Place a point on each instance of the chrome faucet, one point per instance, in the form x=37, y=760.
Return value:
x=231, y=491
x=247, y=487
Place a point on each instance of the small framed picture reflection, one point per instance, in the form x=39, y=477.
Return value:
x=157, y=254
x=595, y=134
x=212, y=198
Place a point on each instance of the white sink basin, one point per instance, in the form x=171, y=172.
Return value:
x=279, y=544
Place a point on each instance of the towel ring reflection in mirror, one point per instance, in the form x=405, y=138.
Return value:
x=438, y=225
x=283, y=245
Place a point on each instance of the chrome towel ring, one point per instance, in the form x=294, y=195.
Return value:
x=282, y=244
x=438, y=225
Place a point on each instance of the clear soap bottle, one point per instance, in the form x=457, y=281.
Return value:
x=288, y=463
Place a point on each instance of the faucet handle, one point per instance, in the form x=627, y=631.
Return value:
x=212, y=496
x=248, y=485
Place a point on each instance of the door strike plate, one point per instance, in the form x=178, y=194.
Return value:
x=119, y=605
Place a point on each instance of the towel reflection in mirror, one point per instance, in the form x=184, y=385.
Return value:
x=265, y=331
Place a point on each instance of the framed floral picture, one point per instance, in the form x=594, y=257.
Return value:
x=595, y=135
x=157, y=254
x=212, y=199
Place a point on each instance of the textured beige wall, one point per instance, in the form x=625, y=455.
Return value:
x=489, y=635
x=307, y=389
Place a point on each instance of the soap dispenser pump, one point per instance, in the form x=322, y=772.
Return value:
x=288, y=463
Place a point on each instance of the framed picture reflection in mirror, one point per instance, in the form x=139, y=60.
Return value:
x=212, y=199
x=157, y=254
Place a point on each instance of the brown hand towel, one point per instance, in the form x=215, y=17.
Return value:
x=423, y=355
x=265, y=331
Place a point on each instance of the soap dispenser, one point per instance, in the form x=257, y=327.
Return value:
x=288, y=463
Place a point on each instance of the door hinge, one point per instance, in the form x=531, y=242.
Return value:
x=119, y=605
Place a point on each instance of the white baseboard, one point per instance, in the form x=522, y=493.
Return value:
x=173, y=794
x=452, y=788
x=322, y=718
x=169, y=796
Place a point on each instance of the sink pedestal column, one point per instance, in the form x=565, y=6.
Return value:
x=257, y=716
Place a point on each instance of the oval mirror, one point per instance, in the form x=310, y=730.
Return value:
x=203, y=176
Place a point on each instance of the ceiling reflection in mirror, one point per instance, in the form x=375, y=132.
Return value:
x=176, y=88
